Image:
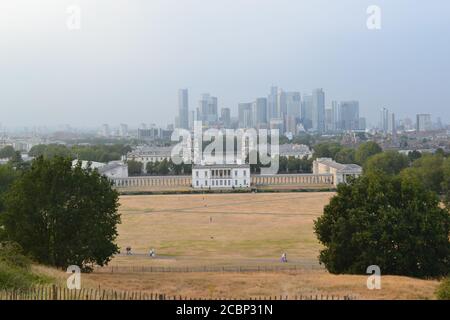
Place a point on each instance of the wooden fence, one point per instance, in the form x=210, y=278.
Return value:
x=58, y=293
x=264, y=268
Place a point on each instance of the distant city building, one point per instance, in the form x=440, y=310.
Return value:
x=329, y=120
x=277, y=124
x=384, y=120
x=307, y=111
x=228, y=176
x=272, y=104
x=281, y=103
x=225, y=117
x=318, y=110
x=349, y=115
x=362, y=124
x=105, y=131
x=183, y=109
x=293, y=103
x=260, y=112
x=295, y=150
x=245, y=115
x=423, y=123
x=148, y=134
x=208, y=112
x=392, y=125
x=123, y=131
x=192, y=118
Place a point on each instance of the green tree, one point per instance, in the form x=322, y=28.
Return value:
x=326, y=150
x=390, y=162
x=15, y=268
x=7, y=152
x=134, y=167
x=345, y=155
x=7, y=177
x=446, y=181
x=366, y=150
x=283, y=164
x=429, y=170
x=414, y=155
x=51, y=151
x=389, y=221
x=163, y=167
x=61, y=215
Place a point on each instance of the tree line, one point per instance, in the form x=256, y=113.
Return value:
x=96, y=153
x=158, y=168
x=396, y=215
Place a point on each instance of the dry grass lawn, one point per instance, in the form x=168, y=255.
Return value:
x=233, y=229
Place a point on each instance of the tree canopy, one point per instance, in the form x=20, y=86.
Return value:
x=365, y=151
x=62, y=215
x=7, y=152
x=390, y=221
x=389, y=162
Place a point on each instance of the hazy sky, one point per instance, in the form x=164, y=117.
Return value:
x=131, y=56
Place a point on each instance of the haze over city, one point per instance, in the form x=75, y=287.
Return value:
x=126, y=63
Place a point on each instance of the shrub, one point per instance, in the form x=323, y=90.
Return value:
x=443, y=292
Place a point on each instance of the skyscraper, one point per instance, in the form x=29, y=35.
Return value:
x=245, y=115
x=392, y=125
x=349, y=115
x=183, y=109
x=293, y=103
x=281, y=104
x=318, y=110
x=272, y=104
x=423, y=123
x=225, y=117
x=208, y=109
x=329, y=120
x=260, y=112
x=307, y=111
x=384, y=120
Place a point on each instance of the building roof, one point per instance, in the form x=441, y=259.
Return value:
x=339, y=166
x=226, y=166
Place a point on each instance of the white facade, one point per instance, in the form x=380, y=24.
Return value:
x=339, y=171
x=229, y=176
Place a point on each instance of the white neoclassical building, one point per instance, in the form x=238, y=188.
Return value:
x=339, y=171
x=226, y=176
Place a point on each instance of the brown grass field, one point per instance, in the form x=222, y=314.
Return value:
x=234, y=230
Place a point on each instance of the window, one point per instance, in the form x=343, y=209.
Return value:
x=206, y=174
x=197, y=183
x=235, y=173
x=196, y=174
x=245, y=182
x=245, y=173
x=235, y=182
x=206, y=183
